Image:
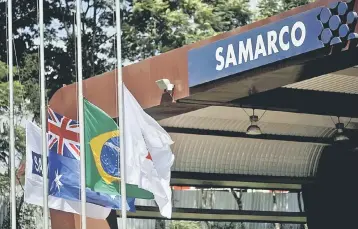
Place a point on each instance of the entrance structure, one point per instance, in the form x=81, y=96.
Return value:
x=295, y=71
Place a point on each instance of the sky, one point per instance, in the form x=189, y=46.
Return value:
x=253, y=4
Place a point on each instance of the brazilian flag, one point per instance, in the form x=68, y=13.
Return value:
x=102, y=154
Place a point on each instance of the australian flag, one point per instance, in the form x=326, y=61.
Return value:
x=64, y=182
x=64, y=164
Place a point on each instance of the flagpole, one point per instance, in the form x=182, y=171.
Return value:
x=43, y=116
x=121, y=115
x=81, y=116
x=11, y=124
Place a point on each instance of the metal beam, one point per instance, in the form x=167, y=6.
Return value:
x=144, y=212
x=237, y=179
x=234, y=184
x=303, y=101
x=223, y=133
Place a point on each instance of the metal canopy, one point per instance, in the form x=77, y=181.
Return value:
x=271, y=76
x=240, y=156
x=269, y=90
x=332, y=94
x=213, y=141
x=297, y=120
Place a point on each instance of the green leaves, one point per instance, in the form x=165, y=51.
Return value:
x=157, y=26
x=290, y=4
x=268, y=8
x=4, y=97
x=4, y=71
x=26, y=93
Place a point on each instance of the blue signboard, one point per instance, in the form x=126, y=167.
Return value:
x=298, y=34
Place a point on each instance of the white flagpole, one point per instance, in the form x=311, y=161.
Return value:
x=81, y=115
x=11, y=123
x=121, y=115
x=43, y=116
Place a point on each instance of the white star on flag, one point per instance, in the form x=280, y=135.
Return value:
x=57, y=180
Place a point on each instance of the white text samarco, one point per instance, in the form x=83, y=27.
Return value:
x=246, y=52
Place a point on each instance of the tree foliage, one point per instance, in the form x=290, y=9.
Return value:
x=268, y=8
x=290, y=4
x=22, y=109
x=156, y=26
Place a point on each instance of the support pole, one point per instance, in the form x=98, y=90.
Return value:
x=43, y=117
x=121, y=115
x=81, y=116
x=11, y=119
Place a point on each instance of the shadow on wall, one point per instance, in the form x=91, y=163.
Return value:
x=332, y=201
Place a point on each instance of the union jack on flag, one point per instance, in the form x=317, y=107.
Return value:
x=63, y=134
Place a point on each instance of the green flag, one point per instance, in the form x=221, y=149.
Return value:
x=102, y=154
